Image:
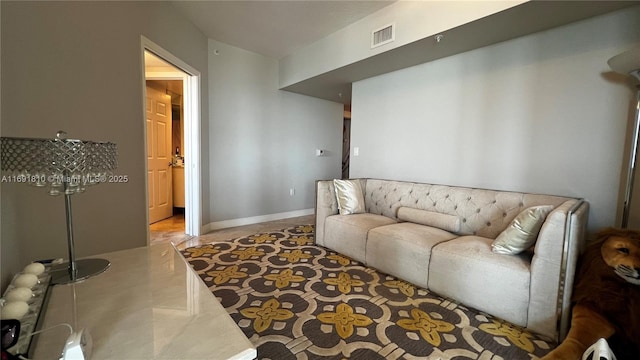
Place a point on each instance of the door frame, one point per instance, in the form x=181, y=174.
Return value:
x=191, y=94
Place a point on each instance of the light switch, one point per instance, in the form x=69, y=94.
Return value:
x=356, y=151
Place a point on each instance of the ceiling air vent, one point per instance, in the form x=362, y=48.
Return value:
x=382, y=36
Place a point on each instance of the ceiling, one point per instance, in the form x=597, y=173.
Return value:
x=279, y=28
x=274, y=28
x=521, y=20
x=153, y=61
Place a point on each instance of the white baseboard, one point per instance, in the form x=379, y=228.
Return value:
x=217, y=225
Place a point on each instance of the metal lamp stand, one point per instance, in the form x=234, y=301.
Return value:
x=632, y=165
x=75, y=270
x=628, y=63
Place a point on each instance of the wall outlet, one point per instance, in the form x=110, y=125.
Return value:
x=292, y=191
x=356, y=151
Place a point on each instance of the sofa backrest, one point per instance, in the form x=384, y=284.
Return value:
x=482, y=212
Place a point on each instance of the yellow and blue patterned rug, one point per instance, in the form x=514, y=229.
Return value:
x=296, y=300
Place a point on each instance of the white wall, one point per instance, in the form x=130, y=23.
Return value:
x=541, y=113
x=77, y=66
x=263, y=140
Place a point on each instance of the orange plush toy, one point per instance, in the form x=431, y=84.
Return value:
x=606, y=298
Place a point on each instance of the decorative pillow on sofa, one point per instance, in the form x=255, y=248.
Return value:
x=522, y=233
x=349, y=196
x=430, y=218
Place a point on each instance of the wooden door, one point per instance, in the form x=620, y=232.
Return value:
x=158, y=114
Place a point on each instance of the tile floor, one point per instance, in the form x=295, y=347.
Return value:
x=172, y=230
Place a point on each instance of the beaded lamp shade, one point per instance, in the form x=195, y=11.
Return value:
x=67, y=166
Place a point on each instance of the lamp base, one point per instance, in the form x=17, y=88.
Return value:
x=85, y=268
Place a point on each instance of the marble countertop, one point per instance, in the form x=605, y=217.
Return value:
x=148, y=305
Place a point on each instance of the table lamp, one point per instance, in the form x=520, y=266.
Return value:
x=628, y=63
x=66, y=167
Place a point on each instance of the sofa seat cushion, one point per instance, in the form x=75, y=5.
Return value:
x=347, y=234
x=465, y=269
x=404, y=250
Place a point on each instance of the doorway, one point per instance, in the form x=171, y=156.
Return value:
x=180, y=84
x=346, y=141
x=165, y=149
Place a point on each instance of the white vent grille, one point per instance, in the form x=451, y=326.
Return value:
x=382, y=36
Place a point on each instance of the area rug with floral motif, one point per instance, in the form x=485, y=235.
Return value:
x=296, y=300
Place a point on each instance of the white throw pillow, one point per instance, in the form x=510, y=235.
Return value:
x=349, y=196
x=522, y=233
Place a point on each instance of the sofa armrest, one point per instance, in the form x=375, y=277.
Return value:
x=575, y=244
x=561, y=239
x=326, y=205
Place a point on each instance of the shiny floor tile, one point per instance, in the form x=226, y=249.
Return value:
x=172, y=230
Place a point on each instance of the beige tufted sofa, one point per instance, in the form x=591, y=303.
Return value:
x=531, y=289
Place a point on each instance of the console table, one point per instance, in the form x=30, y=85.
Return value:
x=149, y=304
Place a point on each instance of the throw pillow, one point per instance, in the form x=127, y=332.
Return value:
x=430, y=218
x=349, y=196
x=522, y=233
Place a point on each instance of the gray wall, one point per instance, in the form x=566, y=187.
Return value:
x=263, y=140
x=541, y=113
x=77, y=66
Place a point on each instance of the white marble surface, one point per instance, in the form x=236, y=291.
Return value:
x=148, y=305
